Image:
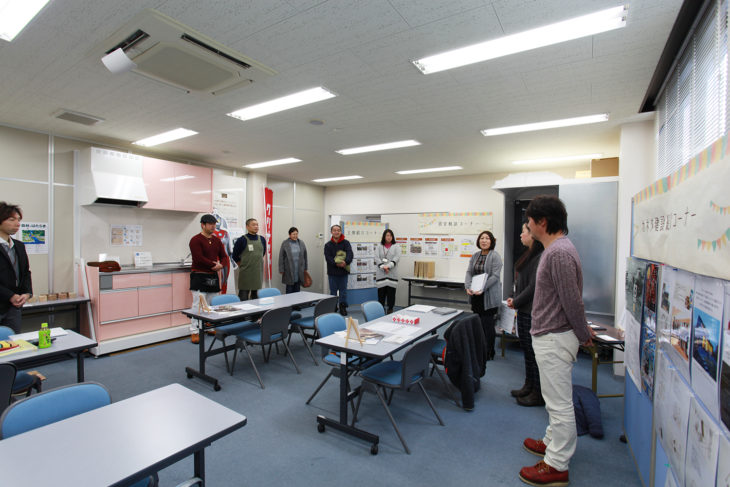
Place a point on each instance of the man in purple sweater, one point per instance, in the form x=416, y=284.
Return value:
x=558, y=327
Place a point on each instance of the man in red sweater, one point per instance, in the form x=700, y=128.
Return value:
x=558, y=328
x=209, y=256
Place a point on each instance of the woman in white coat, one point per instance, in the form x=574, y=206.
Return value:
x=387, y=255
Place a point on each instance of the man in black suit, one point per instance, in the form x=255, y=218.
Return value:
x=15, y=283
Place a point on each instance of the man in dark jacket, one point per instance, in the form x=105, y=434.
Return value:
x=466, y=356
x=338, y=254
x=15, y=284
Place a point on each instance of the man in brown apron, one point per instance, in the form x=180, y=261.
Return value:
x=248, y=253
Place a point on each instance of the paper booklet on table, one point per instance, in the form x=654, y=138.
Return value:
x=420, y=308
x=477, y=282
x=33, y=335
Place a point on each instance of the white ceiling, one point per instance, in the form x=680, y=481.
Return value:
x=359, y=49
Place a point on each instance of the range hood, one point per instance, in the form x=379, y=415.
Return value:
x=106, y=177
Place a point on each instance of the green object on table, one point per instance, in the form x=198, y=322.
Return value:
x=44, y=336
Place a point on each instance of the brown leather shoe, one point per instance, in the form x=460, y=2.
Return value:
x=536, y=447
x=195, y=338
x=542, y=474
x=521, y=392
x=534, y=398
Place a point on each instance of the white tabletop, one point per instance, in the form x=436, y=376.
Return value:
x=428, y=322
x=112, y=443
x=280, y=301
x=68, y=343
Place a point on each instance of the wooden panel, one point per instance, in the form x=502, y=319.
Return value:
x=118, y=305
x=123, y=281
x=132, y=327
x=155, y=300
x=193, y=188
x=157, y=278
x=159, y=182
x=182, y=298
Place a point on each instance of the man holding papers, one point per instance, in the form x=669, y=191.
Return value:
x=484, y=287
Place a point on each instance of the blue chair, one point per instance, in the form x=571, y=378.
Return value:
x=306, y=324
x=399, y=375
x=267, y=292
x=274, y=329
x=326, y=325
x=24, y=382
x=223, y=332
x=55, y=405
x=372, y=310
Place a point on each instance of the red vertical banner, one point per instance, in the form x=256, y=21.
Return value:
x=269, y=205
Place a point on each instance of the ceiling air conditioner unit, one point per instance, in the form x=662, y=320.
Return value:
x=168, y=51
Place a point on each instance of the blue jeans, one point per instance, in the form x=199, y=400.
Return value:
x=339, y=283
x=293, y=288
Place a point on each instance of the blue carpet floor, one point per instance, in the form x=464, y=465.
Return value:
x=280, y=445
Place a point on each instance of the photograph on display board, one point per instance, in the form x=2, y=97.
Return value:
x=702, y=447
x=707, y=326
x=725, y=366
x=635, y=287
x=674, y=316
x=648, y=328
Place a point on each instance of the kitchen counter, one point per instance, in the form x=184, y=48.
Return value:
x=162, y=267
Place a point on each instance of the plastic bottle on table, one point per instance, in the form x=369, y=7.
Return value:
x=44, y=336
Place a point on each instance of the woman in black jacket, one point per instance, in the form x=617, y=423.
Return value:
x=524, y=290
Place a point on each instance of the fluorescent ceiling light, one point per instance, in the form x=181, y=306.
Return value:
x=377, y=147
x=529, y=127
x=284, y=103
x=430, y=169
x=277, y=162
x=15, y=15
x=341, y=178
x=582, y=157
x=177, y=178
x=567, y=30
x=158, y=139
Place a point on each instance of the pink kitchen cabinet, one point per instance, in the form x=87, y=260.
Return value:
x=159, y=182
x=193, y=188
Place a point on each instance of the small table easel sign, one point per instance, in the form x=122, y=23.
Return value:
x=203, y=304
x=352, y=326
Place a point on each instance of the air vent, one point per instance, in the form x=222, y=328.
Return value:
x=168, y=51
x=78, y=117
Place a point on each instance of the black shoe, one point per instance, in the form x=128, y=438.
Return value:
x=521, y=392
x=390, y=311
x=534, y=398
x=343, y=309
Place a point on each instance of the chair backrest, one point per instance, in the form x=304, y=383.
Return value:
x=5, y=332
x=415, y=361
x=372, y=310
x=326, y=325
x=268, y=292
x=224, y=299
x=327, y=305
x=275, y=321
x=52, y=406
x=7, y=377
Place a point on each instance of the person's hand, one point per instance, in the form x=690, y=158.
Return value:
x=469, y=291
x=17, y=300
x=509, y=303
x=386, y=270
x=477, y=293
x=588, y=343
x=218, y=266
x=341, y=264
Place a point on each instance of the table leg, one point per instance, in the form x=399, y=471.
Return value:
x=199, y=461
x=200, y=373
x=80, y=366
x=594, y=370
x=409, y=292
x=342, y=424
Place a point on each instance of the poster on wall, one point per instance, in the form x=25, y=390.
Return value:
x=683, y=220
x=402, y=242
x=671, y=406
x=648, y=329
x=415, y=246
x=635, y=287
x=359, y=231
x=125, y=235
x=431, y=247
x=725, y=366
x=674, y=316
x=470, y=222
x=707, y=326
x=448, y=247
x=467, y=245
x=702, y=447
x=33, y=236
x=632, y=338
